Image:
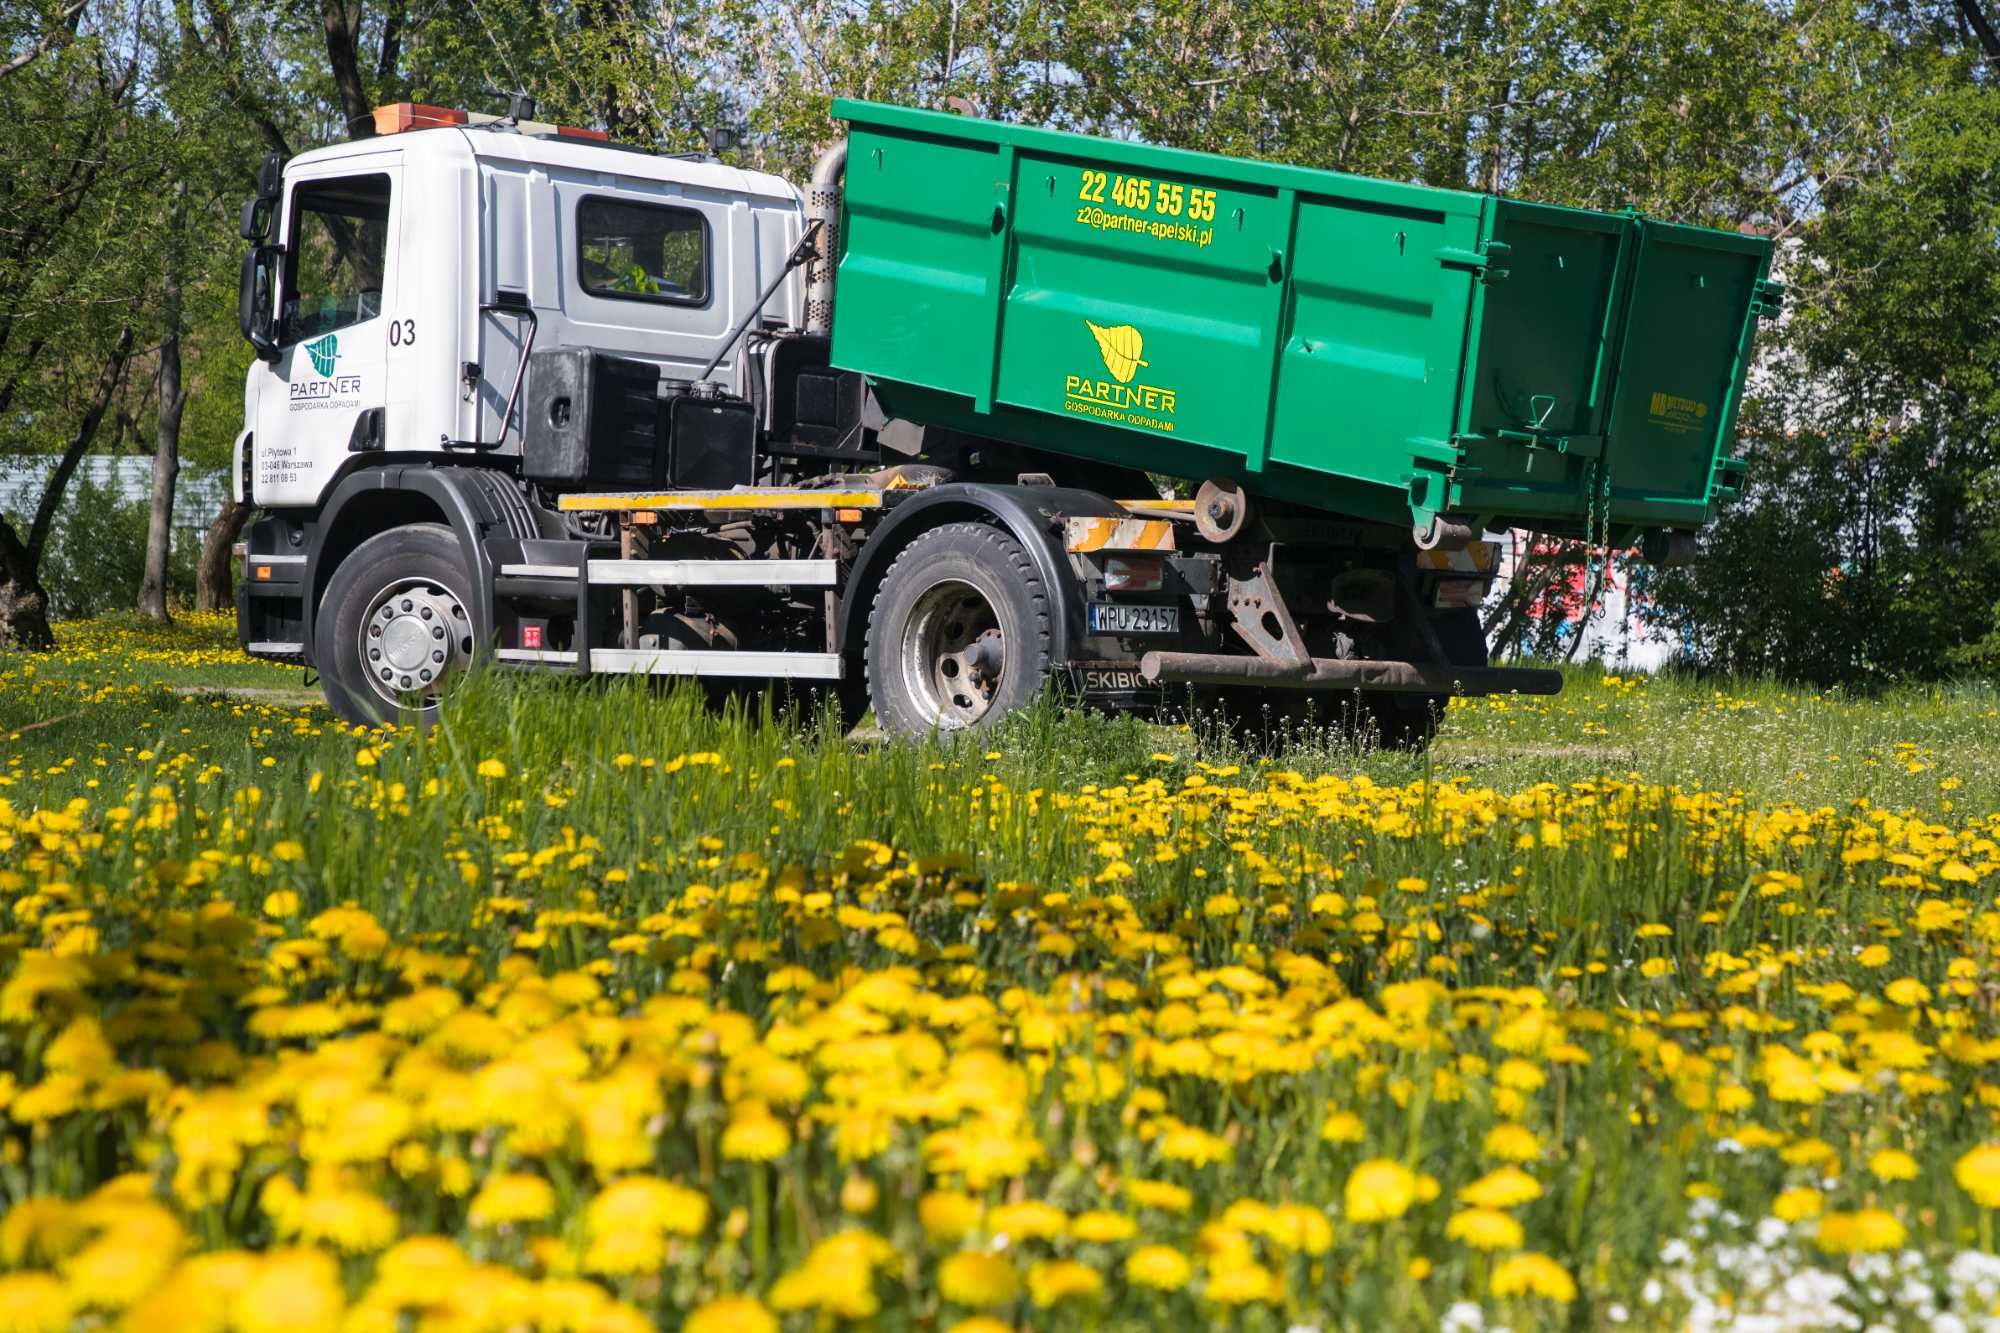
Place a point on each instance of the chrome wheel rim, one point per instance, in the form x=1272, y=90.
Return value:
x=415, y=639
x=954, y=655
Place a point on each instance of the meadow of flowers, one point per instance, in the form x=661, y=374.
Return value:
x=594, y=1010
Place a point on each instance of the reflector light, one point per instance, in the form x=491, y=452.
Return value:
x=578, y=132
x=400, y=116
x=1459, y=593
x=263, y=572
x=1134, y=573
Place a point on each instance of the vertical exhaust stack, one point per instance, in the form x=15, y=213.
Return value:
x=823, y=205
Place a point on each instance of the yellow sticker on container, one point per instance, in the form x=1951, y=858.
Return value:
x=1677, y=415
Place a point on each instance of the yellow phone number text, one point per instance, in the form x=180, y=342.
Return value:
x=1167, y=198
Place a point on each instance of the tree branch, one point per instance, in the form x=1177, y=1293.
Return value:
x=61, y=30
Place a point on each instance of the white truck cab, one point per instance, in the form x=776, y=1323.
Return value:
x=417, y=268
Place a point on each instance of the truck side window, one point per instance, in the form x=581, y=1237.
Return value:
x=338, y=253
x=642, y=252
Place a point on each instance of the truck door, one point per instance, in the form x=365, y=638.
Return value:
x=326, y=393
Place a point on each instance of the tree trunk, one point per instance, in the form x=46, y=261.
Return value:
x=214, y=576
x=342, y=21
x=24, y=606
x=166, y=457
x=24, y=603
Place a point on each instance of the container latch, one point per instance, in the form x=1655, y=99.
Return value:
x=1480, y=261
x=1579, y=446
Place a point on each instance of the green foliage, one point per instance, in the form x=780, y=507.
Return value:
x=97, y=553
x=1863, y=135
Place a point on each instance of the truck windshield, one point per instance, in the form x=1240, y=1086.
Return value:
x=646, y=252
x=337, y=256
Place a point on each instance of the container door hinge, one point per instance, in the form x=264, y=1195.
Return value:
x=1481, y=261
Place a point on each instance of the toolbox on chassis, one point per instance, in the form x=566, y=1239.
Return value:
x=525, y=395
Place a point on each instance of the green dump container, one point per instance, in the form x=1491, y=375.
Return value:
x=1382, y=350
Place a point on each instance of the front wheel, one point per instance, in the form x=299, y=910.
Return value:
x=395, y=629
x=960, y=634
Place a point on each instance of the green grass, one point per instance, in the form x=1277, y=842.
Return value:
x=1609, y=919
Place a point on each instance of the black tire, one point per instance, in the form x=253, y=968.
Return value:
x=960, y=633
x=405, y=594
x=1409, y=721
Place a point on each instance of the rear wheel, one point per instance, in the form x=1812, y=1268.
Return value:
x=960, y=634
x=395, y=629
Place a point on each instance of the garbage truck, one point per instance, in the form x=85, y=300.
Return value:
x=981, y=410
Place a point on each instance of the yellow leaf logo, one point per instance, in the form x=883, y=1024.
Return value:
x=1120, y=348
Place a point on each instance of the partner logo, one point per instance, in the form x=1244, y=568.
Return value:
x=1122, y=348
x=324, y=351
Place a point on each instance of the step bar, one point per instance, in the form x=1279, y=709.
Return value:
x=687, y=573
x=685, y=662
x=750, y=498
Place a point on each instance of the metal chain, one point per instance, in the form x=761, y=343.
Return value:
x=1596, y=531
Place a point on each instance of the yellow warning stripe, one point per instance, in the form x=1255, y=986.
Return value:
x=1164, y=506
x=1478, y=558
x=1084, y=535
x=629, y=500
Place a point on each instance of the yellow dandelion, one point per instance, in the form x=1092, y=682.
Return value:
x=1891, y=1164
x=1508, y=1187
x=1533, y=1274
x=1379, y=1191
x=732, y=1314
x=978, y=1280
x=510, y=1198
x=1978, y=1174
x=1161, y=1267
x=1485, y=1229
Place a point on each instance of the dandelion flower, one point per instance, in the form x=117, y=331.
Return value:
x=1379, y=1191
x=1102, y=1227
x=756, y=1138
x=732, y=1314
x=1508, y=1187
x=947, y=1216
x=1797, y=1204
x=1533, y=1274
x=978, y=1281
x=33, y=1303
x=1161, y=1267
x=1053, y=1281
x=1862, y=1232
x=512, y=1197
x=1512, y=1143
x=1485, y=1229
x=1978, y=1174
x=1891, y=1164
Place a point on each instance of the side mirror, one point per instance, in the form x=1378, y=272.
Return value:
x=255, y=297
x=256, y=223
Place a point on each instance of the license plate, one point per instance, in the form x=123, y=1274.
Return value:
x=1126, y=618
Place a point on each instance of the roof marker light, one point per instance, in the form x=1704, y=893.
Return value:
x=400, y=116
